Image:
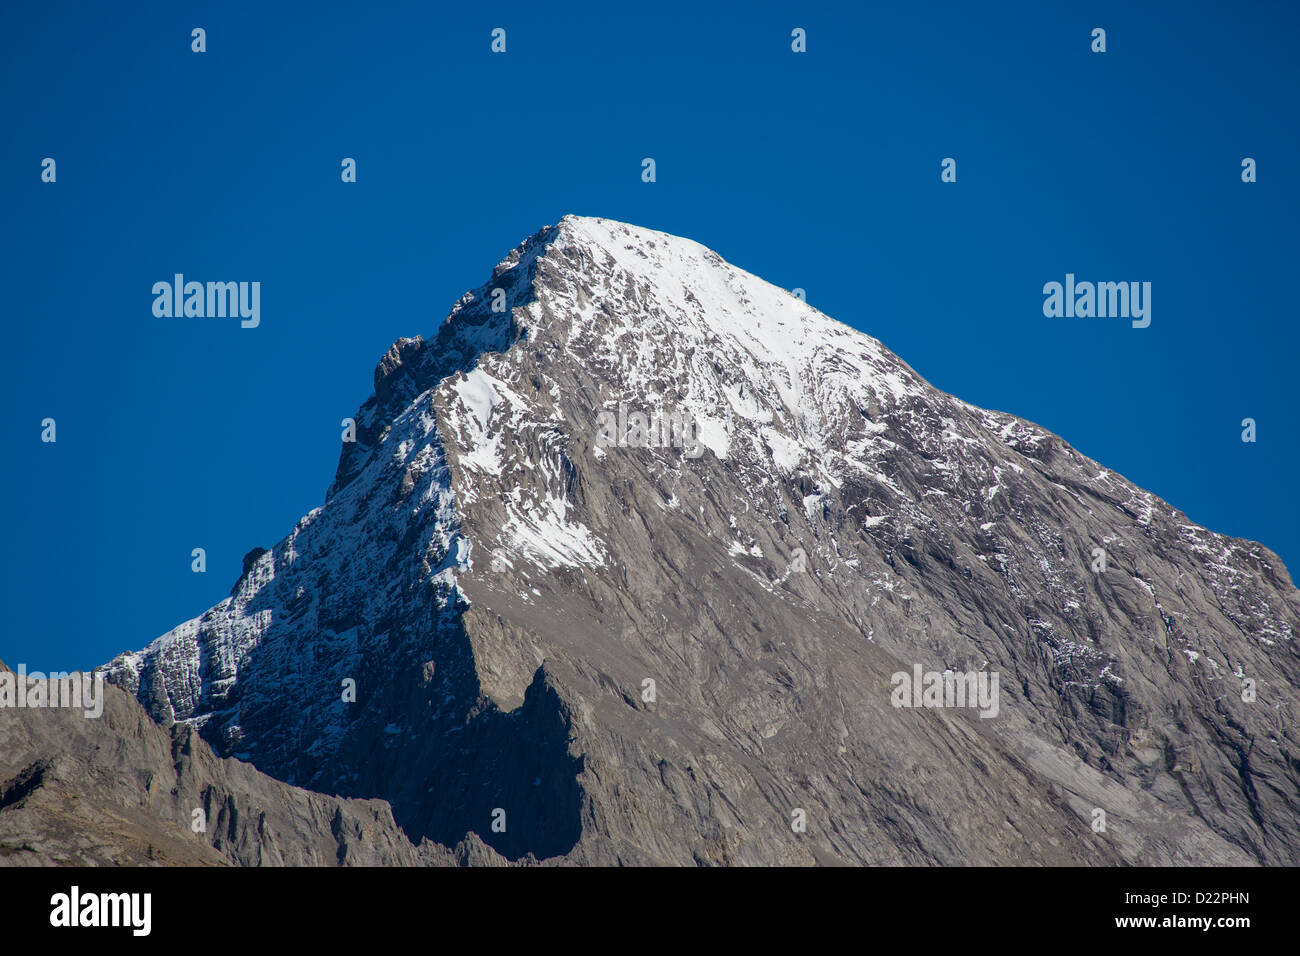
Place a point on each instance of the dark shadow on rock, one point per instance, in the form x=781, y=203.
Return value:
x=420, y=733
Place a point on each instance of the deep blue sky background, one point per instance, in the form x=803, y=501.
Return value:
x=818, y=170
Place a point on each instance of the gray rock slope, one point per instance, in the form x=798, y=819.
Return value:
x=121, y=789
x=499, y=583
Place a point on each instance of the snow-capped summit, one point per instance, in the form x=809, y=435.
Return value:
x=543, y=605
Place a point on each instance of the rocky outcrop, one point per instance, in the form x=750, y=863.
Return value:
x=122, y=790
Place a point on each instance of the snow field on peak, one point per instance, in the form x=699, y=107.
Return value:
x=488, y=419
x=669, y=315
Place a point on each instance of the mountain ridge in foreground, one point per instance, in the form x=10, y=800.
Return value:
x=563, y=640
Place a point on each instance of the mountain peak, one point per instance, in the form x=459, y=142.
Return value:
x=513, y=547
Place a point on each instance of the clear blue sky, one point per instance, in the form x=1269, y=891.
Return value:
x=818, y=170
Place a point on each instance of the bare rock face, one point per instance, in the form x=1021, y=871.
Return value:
x=122, y=790
x=626, y=557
